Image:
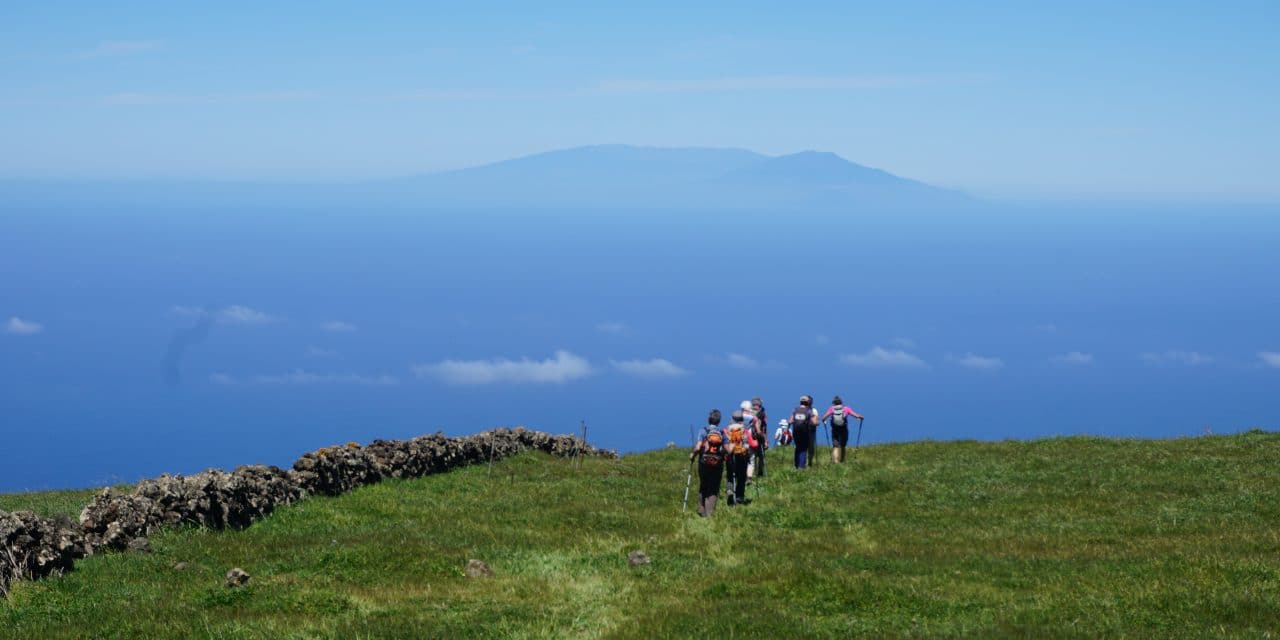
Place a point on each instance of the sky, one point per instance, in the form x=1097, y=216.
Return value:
x=1164, y=101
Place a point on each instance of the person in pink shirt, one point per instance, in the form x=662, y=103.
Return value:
x=838, y=415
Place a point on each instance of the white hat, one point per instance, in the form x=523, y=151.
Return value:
x=783, y=423
x=746, y=405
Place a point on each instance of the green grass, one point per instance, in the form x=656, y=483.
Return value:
x=52, y=503
x=1073, y=537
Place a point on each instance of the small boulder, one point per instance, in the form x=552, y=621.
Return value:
x=181, y=566
x=637, y=558
x=478, y=569
x=237, y=577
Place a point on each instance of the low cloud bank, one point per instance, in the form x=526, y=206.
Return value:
x=561, y=368
x=881, y=358
x=19, y=327
x=977, y=362
x=1075, y=359
x=652, y=368
x=1189, y=358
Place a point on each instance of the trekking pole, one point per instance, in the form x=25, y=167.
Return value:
x=688, y=481
x=858, y=441
x=490, y=453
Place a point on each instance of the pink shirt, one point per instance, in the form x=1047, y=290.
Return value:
x=848, y=413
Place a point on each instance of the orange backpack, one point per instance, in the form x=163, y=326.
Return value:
x=737, y=439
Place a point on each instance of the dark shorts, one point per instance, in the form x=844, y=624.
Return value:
x=840, y=435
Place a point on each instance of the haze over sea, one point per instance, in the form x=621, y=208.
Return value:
x=237, y=236
x=156, y=338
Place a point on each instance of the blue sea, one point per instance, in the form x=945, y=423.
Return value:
x=155, y=340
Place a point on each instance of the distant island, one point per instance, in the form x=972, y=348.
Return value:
x=602, y=177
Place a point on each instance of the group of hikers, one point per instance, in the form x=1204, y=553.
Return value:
x=737, y=451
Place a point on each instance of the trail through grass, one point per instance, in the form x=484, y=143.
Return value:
x=1073, y=537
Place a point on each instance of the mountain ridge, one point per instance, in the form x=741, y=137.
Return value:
x=607, y=177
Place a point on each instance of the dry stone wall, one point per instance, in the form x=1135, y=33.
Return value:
x=32, y=546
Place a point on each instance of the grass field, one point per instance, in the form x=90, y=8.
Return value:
x=1071, y=537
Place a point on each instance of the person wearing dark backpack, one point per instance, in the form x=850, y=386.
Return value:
x=839, y=415
x=738, y=443
x=801, y=431
x=711, y=457
x=814, y=421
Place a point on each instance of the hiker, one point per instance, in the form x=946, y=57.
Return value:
x=738, y=441
x=760, y=430
x=782, y=437
x=807, y=401
x=801, y=419
x=749, y=421
x=838, y=415
x=710, y=454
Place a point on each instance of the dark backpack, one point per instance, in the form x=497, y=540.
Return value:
x=800, y=416
x=838, y=419
x=713, y=448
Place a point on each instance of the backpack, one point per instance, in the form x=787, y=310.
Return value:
x=713, y=452
x=838, y=418
x=737, y=439
x=800, y=416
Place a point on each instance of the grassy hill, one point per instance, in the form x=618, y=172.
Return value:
x=1071, y=537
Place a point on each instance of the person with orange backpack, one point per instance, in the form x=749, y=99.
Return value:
x=739, y=441
x=711, y=456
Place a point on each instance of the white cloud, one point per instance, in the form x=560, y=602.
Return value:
x=613, y=328
x=337, y=326
x=180, y=310
x=120, y=48
x=881, y=358
x=1270, y=358
x=317, y=352
x=789, y=82
x=1075, y=358
x=1189, y=358
x=133, y=98
x=237, y=314
x=653, y=368
x=299, y=377
x=905, y=343
x=980, y=363
x=740, y=361
x=561, y=368
x=19, y=327
x=234, y=314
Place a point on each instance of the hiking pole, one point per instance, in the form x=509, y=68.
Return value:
x=858, y=441
x=688, y=481
x=490, y=453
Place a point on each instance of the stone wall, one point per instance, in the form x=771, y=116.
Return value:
x=32, y=546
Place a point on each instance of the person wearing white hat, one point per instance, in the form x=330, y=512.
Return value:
x=782, y=437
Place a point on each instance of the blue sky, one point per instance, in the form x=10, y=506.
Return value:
x=1145, y=100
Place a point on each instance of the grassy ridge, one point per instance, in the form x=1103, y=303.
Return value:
x=1073, y=537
